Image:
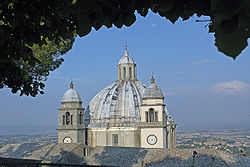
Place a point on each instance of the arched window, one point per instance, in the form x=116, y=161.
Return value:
x=146, y=116
x=156, y=116
x=130, y=72
x=124, y=73
x=67, y=114
x=63, y=119
x=80, y=118
x=151, y=115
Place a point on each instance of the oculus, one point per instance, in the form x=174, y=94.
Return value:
x=67, y=140
x=152, y=139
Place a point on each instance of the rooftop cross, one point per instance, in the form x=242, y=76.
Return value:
x=126, y=46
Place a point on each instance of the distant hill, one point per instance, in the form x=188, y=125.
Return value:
x=117, y=156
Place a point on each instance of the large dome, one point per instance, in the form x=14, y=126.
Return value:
x=119, y=103
x=120, y=99
x=71, y=95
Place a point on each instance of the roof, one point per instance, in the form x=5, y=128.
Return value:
x=127, y=156
x=153, y=91
x=71, y=95
x=120, y=99
x=126, y=59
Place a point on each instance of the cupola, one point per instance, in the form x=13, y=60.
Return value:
x=153, y=91
x=71, y=95
x=126, y=68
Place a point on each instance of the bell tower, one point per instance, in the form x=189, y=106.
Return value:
x=71, y=118
x=154, y=131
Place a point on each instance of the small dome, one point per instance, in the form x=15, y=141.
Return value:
x=153, y=91
x=71, y=95
x=126, y=59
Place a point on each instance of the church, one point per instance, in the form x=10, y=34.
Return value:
x=126, y=113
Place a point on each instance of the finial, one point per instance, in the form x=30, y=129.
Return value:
x=71, y=85
x=126, y=46
x=152, y=79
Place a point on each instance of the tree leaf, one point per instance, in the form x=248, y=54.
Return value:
x=226, y=9
x=231, y=44
x=84, y=26
x=130, y=20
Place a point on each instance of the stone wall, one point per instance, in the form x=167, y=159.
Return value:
x=127, y=136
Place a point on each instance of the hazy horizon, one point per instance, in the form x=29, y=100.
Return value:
x=51, y=129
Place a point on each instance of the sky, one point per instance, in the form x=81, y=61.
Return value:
x=203, y=88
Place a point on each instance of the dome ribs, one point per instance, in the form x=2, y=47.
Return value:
x=123, y=110
x=137, y=100
x=106, y=102
x=95, y=104
x=131, y=106
x=118, y=104
x=114, y=97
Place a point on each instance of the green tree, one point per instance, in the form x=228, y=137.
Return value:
x=26, y=23
x=30, y=75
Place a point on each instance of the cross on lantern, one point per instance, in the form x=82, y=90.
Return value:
x=126, y=46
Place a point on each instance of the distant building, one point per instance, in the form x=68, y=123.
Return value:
x=126, y=113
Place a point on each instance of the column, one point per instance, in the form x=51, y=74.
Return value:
x=127, y=72
x=119, y=72
x=133, y=72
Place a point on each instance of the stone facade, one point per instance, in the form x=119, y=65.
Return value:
x=114, y=136
x=126, y=113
